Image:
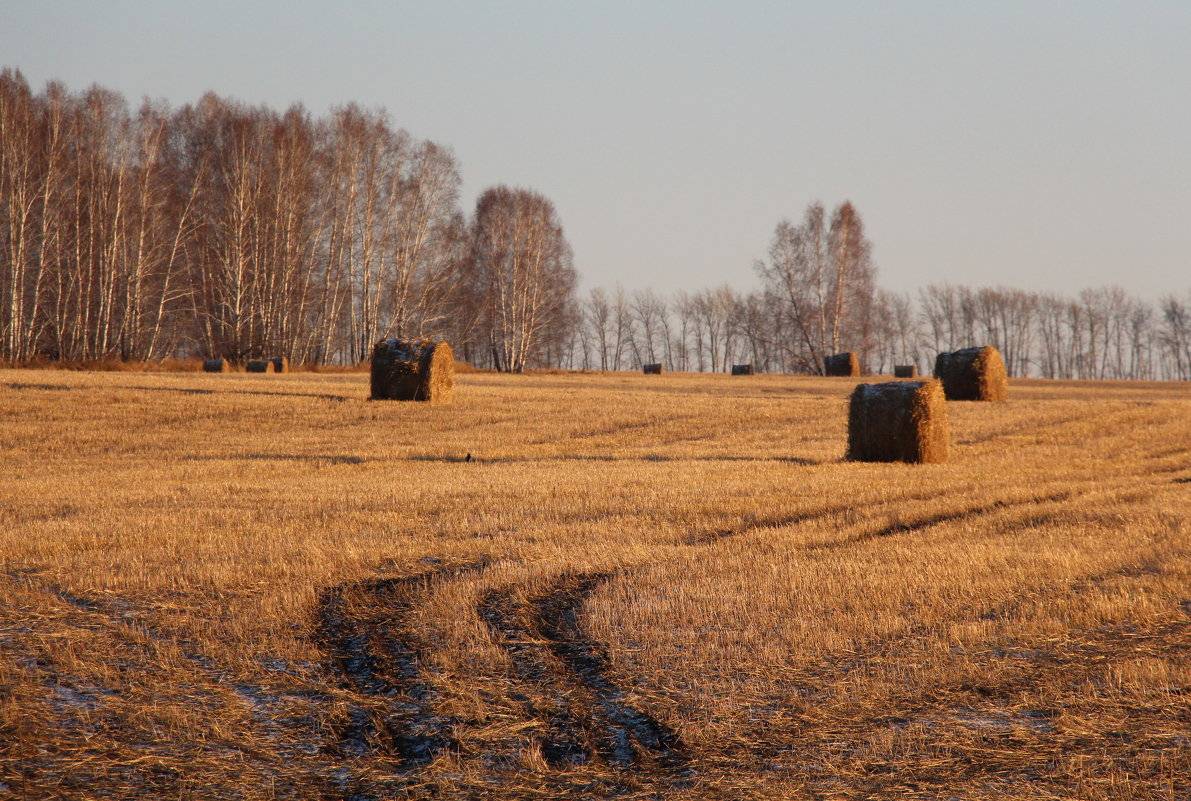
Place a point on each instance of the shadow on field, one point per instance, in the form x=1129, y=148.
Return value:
x=596, y=457
x=259, y=392
x=19, y=385
x=331, y=458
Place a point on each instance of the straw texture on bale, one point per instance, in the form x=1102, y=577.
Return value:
x=898, y=421
x=651, y=369
x=413, y=369
x=905, y=371
x=973, y=374
x=259, y=366
x=217, y=366
x=742, y=369
x=280, y=364
x=841, y=364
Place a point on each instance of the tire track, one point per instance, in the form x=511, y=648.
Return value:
x=567, y=736
x=630, y=734
x=364, y=629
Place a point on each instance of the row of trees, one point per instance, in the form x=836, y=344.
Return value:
x=819, y=296
x=224, y=229
x=1097, y=334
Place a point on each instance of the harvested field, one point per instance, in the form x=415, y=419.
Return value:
x=636, y=587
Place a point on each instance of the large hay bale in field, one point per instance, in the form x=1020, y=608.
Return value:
x=651, y=369
x=413, y=369
x=841, y=364
x=217, y=366
x=898, y=421
x=973, y=374
x=259, y=366
x=280, y=364
x=742, y=369
x=905, y=371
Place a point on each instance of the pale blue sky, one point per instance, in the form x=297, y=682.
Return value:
x=1038, y=144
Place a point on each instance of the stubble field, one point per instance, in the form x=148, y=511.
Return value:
x=259, y=587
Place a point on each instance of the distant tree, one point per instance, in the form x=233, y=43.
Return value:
x=824, y=276
x=521, y=259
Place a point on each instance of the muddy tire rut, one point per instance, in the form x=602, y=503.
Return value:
x=630, y=736
x=364, y=628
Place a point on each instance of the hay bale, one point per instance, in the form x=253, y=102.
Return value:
x=742, y=369
x=280, y=364
x=217, y=366
x=259, y=366
x=651, y=369
x=898, y=421
x=413, y=369
x=973, y=374
x=905, y=371
x=841, y=364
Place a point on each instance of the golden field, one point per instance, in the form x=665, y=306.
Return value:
x=259, y=587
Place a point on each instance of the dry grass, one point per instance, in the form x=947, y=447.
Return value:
x=635, y=588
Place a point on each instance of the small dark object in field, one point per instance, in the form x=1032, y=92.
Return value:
x=280, y=364
x=259, y=366
x=468, y=458
x=651, y=369
x=973, y=374
x=217, y=366
x=742, y=369
x=841, y=364
x=413, y=369
x=898, y=421
x=905, y=371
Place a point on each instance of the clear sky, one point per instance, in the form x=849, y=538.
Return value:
x=1038, y=144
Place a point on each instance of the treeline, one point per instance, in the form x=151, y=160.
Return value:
x=1096, y=334
x=819, y=296
x=220, y=229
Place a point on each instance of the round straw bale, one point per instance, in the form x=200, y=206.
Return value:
x=742, y=369
x=841, y=364
x=898, y=421
x=905, y=371
x=259, y=366
x=413, y=369
x=280, y=364
x=973, y=374
x=651, y=369
x=219, y=365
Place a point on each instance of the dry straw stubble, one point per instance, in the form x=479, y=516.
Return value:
x=898, y=421
x=973, y=374
x=416, y=370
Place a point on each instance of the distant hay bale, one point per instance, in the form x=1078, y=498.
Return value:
x=413, y=369
x=259, y=366
x=898, y=421
x=841, y=364
x=217, y=366
x=280, y=364
x=742, y=369
x=973, y=374
x=905, y=371
x=651, y=369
